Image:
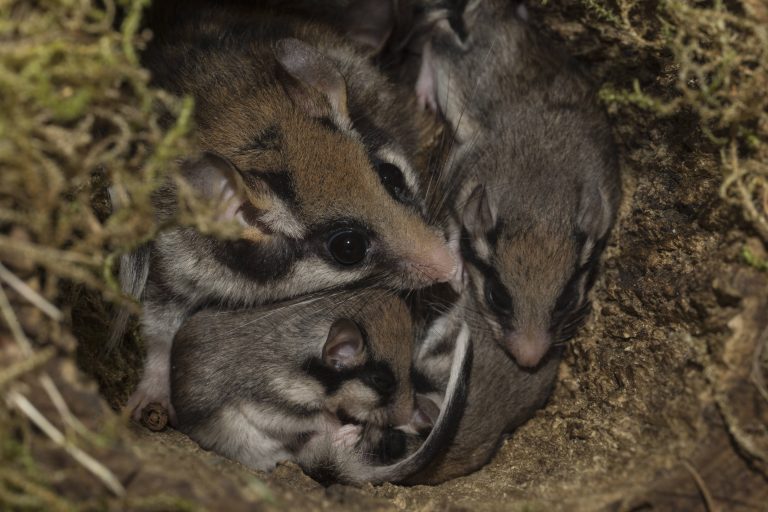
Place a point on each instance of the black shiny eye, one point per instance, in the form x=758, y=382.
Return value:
x=498, y=297
x=392, y=178
x=348, y=247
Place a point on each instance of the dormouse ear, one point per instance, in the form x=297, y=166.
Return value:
x=596, y=214
x=478, y=217
x=344, y=348
x=371, y=22
x=597, y=209
x=424, y=414
x=315, y=74
x=521, y=11
x=215, y=179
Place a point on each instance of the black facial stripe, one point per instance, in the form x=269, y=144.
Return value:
x=573, y=323
x=377, y=375
x=456, y=20
x=442, y=348
x=492, y=236
x=580, y=238
x=281, y=184
x=263, y=263
x=328, y=123
x=489, y=273
x=572, y=303
x=421, y=383
x=406, y=195
x=373, y=137
x=268, y=140
x=380, y=377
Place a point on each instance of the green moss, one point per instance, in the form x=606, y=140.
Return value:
x=754, y=261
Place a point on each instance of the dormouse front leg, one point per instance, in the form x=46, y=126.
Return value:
x=159, y=323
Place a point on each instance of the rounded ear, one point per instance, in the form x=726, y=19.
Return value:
x=371, y=22
x=211, y=174
x=424, y=414
x=314, y=74
x=477, y=215
x=345, y=347
x=217, y=181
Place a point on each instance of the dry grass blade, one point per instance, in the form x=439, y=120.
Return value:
x=709, y=503
x=36, y=360
x=28, y=293
x=13, y=324
x=96, y=468
x=61, y=405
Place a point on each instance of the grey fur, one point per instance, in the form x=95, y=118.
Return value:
x=531, y=134
x=243, y=76
x=133, y=273
x=243, y=385
x=501, y=396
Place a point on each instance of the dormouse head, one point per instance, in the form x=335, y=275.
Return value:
x=310, y=176
x=471, y=50
x=530, y=277
x=366, y=365
x=539, y=177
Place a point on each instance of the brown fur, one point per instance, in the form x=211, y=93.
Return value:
x=502, y=395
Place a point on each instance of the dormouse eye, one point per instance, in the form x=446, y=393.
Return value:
x=498, y=297
x=392, y=178
x=348, y=247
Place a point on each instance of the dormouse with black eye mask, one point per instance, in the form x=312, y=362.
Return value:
x=323, y=381
x=501, y=394
x=305, y=145
x=533, y=172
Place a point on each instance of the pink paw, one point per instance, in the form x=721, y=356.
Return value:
x=347, y=436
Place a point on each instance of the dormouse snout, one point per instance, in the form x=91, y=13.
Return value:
x=432, y=263
x=528, y=348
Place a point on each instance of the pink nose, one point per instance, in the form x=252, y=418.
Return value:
x=438, y=265
x=528, y=349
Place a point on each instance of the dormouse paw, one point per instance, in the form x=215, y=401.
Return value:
x=347, y=436
x=146, y=407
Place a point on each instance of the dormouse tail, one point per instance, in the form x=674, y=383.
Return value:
x=134, y=269
x=447, y=422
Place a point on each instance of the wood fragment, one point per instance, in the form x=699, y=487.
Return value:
x=154, y=416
